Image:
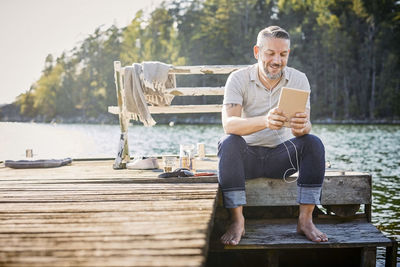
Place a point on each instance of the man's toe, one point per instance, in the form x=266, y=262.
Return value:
x=236, y=239
x=316, y=239
x=233, y=242
x=324, y=238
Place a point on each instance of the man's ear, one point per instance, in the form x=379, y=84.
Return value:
x=256, y=51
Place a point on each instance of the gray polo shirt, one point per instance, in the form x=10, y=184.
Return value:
x=243, y=87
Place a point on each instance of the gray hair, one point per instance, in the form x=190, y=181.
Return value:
x=272, y=32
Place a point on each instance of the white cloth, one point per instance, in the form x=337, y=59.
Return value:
x=134, y=96
x=146, y=83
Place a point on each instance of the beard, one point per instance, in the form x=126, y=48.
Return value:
x=273, y=76
x=270, y=75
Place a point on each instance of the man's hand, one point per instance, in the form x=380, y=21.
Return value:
x=300, y=124
x=275, y=119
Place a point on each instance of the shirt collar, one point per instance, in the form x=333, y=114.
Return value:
x=286, y=74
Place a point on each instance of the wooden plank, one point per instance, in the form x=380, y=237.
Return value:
x=195, y=91
x=123, y=228
x=79, y=251
x=97, y=182
x=281, y=233
x=107, y=206
x=368, y=257
x=347, y=190
x=99, y=189
x=98, y=236
x=16, y=217
x=336, y=190
x=206, y=69
x=96, y=169
x=123, y=150
x=176, y=109
x=98, y=172
x=273, y=258
x=107, y=176
x=99, y=258
x=391, y=254
x=83, y=196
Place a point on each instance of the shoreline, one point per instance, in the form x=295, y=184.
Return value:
x=11, y=114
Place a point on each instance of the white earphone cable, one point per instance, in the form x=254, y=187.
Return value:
x=287, y=149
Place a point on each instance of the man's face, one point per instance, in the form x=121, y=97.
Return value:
x=272, y=57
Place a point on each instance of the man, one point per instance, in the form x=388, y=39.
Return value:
x=257, y=144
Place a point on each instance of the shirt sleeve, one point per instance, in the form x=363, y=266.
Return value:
x=233, y=93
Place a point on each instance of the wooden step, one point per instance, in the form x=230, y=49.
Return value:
x=281, y=233
x=352, y=242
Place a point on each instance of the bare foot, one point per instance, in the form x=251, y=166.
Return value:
x=307, y=228
x=234, y=233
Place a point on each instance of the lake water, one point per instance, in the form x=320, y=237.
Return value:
x=368, y=148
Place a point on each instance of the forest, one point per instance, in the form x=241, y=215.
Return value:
x=349, y=50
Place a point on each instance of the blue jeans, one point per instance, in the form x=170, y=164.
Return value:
x=239, y=161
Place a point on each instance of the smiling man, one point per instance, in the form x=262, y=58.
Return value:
x=257, y=144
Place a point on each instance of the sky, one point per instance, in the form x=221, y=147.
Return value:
x=32, y=29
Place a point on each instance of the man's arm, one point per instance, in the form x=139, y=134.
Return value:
x=301, y=124
x=233, y=123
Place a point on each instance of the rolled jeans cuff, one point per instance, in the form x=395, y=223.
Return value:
x=234, y=199
x=309, y=195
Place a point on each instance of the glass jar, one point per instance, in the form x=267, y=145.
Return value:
x=186, y=156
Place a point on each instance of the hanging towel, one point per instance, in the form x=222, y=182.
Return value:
x=145, y=84
x=134, y=95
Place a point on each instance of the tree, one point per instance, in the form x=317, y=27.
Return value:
x=347, y=48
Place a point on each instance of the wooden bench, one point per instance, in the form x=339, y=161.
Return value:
x=124, y=116
x=271, y=209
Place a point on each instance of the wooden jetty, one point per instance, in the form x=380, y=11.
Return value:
x=88, y=214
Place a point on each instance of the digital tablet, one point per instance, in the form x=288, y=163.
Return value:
x=292, y=101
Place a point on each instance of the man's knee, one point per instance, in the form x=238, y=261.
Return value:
x=312, y=141
x=231, y=142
